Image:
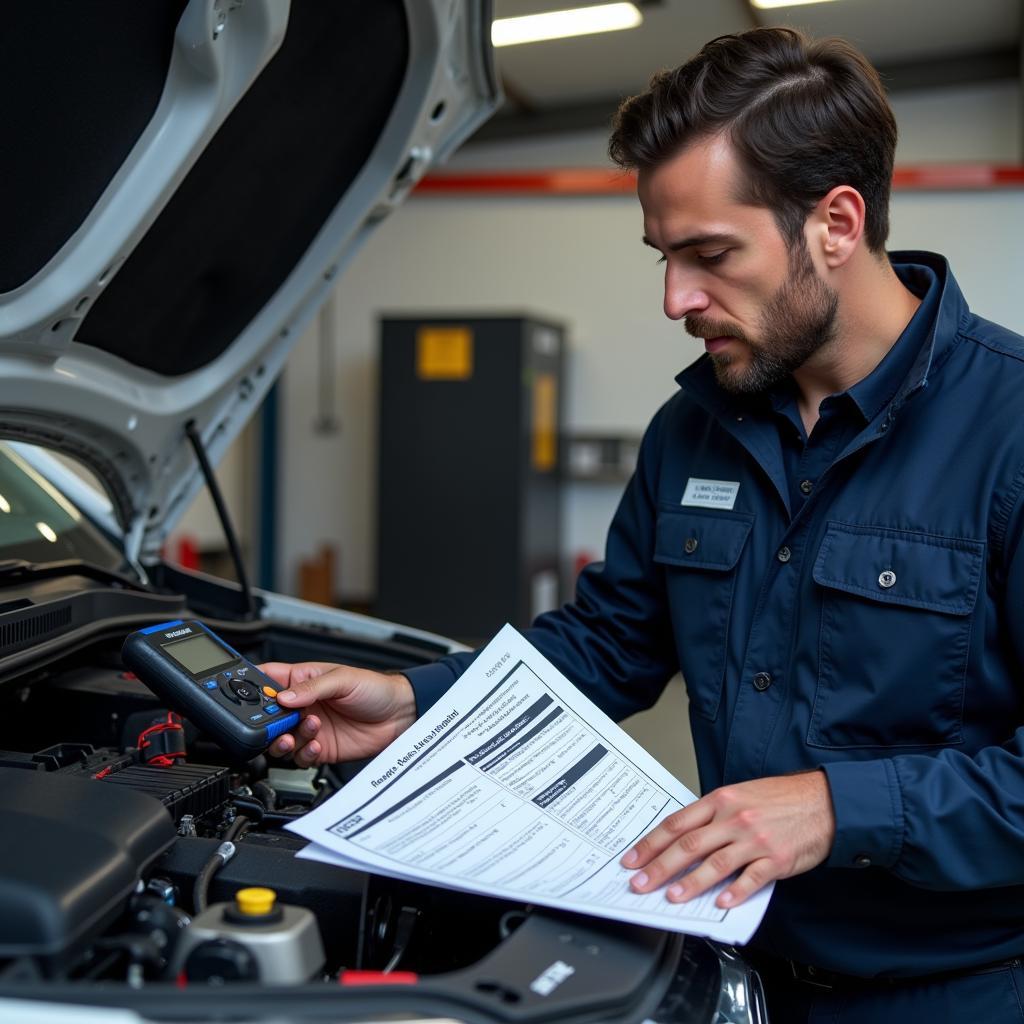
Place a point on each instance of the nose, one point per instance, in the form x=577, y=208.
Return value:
x=683, y=294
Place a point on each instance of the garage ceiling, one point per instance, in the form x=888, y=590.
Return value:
x=574, y=84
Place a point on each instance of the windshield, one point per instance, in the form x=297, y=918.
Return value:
x=40, y=524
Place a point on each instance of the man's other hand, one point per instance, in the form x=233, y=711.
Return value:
x=347, y=713
x=764, y=829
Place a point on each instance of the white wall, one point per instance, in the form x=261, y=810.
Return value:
x=978, y=122
x=580, y=260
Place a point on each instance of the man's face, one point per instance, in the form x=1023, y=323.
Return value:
x=761, y=307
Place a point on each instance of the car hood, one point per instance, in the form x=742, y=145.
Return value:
x=182, y=182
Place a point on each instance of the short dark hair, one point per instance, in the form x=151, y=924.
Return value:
x=802, y=115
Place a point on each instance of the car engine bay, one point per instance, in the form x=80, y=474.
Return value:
x=128, y=838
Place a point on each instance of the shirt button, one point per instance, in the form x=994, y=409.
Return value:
x=784, y=554
x=887, y=579
x=862, y=860
x=690, y=545
x=762, y=680
x=806, y=486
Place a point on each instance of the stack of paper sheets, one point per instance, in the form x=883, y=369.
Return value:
x=515, y=785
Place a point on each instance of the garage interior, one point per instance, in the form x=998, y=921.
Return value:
x=528, y=221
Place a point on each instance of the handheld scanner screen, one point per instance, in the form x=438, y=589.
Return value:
x=199, y=654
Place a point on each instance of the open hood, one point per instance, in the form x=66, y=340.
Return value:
x=182, y=182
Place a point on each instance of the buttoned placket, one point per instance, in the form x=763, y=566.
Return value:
x=762, y=688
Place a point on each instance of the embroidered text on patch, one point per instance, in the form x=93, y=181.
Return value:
x=710, y=493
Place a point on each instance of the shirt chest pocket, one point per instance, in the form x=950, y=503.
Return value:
x=699, y=552
x=896, y=615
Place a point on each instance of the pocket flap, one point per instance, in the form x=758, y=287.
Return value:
x=919, y=570
x=701, y=541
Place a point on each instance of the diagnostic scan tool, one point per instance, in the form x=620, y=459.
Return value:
x=201, y=677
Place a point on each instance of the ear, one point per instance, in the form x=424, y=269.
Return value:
x=836, y=224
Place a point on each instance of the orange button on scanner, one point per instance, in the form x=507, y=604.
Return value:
x=269, y=691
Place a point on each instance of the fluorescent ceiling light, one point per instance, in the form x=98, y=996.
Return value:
x=767, y=5
x=579, y=21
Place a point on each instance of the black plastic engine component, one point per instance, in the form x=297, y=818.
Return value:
x=195, y=789
x=437, y=940
x=221, y=960
x=569, y=965
x=151, y=918
x=72, y=851
x=87, y=704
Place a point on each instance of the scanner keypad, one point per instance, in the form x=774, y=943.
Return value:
x=246, y=689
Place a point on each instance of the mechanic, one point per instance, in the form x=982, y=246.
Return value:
x=822, y=534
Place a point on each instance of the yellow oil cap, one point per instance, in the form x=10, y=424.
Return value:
x=255, y=901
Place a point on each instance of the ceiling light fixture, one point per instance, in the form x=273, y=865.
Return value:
x=47, y=531
x=579, y=21
x=768, y=5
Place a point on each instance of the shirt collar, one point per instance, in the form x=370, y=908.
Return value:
x=879, y=387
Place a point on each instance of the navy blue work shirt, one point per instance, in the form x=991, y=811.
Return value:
x=858, y=610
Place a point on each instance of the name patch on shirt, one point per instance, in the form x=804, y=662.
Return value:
x=710, y=493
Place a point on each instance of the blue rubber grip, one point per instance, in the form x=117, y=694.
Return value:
x=281, y=725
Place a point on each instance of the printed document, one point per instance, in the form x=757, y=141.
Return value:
x=515, y=785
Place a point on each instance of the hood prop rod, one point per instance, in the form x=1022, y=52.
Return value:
x=223, y=516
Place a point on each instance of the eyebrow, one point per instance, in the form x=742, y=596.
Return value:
x=712, y=238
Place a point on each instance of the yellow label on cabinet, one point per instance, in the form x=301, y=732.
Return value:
x=444, y=353
x=545, y=407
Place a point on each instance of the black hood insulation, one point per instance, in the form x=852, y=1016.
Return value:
x=259, y=194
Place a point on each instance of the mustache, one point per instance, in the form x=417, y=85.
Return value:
x=702, y=327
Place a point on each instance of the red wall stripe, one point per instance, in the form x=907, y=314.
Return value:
x=568, y=182
x=598, y=182
x=958, y=176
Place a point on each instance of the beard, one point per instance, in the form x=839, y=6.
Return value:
x=797, y=321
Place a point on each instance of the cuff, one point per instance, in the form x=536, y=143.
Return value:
x=868, y=807
x=430, y=682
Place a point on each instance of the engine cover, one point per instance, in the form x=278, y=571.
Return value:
x=72, y=851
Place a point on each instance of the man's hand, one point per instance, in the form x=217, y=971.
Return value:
x=765, y=829
x=348, y=713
